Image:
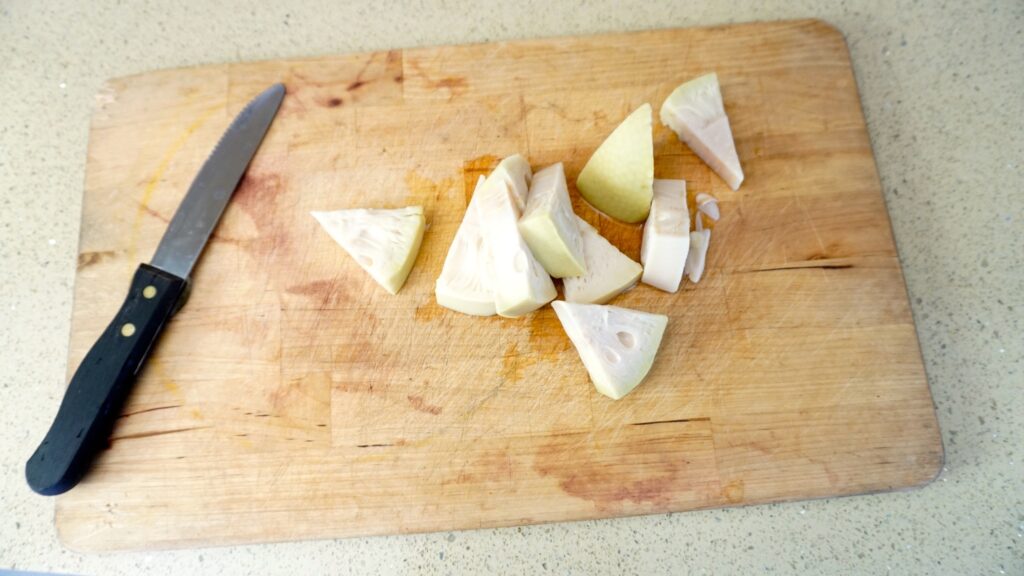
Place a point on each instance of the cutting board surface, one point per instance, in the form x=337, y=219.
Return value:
x=294, y=398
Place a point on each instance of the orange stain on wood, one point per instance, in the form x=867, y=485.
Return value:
x=429, y=310
x=589, y=473
x=155, y=178
x=515, y=363
x=426, y=192
x=733, y=492
x=547, y=338
x=421, y=405
x=473, y=169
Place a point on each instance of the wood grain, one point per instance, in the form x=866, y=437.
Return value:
x=293, y=398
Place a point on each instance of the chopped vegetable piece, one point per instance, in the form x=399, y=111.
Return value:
x=464, y=284
x=694, y=111
x=549, y=224
x=666, y=236
x=609, y=271
x=383, y=242
x=618, y=177
x=699, y=240
x=520, y=283
x=617, y=345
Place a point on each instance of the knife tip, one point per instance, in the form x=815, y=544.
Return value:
x=275, y=92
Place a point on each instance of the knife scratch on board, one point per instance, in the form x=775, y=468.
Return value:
x=158, y=433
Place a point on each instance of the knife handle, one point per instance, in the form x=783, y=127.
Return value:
x=97, y=391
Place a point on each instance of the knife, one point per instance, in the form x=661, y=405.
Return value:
x=97, y=391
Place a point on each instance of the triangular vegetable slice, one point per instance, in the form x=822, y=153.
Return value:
x=549, y=224
x=694, y=111
x=609, y=271
x=520, y=283
x=383, y=242
x=617, y=345
x=464, y=284
x=618, y=177
x=666, y=236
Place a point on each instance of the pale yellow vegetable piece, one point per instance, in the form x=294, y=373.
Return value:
x=618, y=177
x=549, y=224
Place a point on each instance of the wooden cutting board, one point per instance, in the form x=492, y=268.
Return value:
x=293, y=398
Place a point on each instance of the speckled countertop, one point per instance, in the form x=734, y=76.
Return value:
x=942, y=91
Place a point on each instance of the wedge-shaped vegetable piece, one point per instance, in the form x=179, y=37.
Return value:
x=515, y=171
x=464, y=284
x=617, y=179
x=617, y=345
x=609, y=271
x=383, y=242
x=694, y=111
x=520, y=283
x=666, y=236
x=549, y=224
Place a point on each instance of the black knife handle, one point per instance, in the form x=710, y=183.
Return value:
x=97, y=391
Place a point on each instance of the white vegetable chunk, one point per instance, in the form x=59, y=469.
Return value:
x=464, y=284
x=549, y=224
x=695, y=112
x=699, y=240
x=666, y=238
x=383, y=242
x=520, y=283
x=609, y=271
x=617, y=345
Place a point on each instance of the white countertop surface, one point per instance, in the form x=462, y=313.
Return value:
x=943, y=92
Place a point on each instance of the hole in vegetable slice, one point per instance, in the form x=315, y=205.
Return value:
x=626, y=339
x=611, y=356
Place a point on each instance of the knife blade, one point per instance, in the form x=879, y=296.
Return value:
x=97, y=391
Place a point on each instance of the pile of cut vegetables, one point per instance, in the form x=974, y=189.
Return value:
x=519, y=231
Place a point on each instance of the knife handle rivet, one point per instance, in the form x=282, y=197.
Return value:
x=128, y=329
x=149, y=292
